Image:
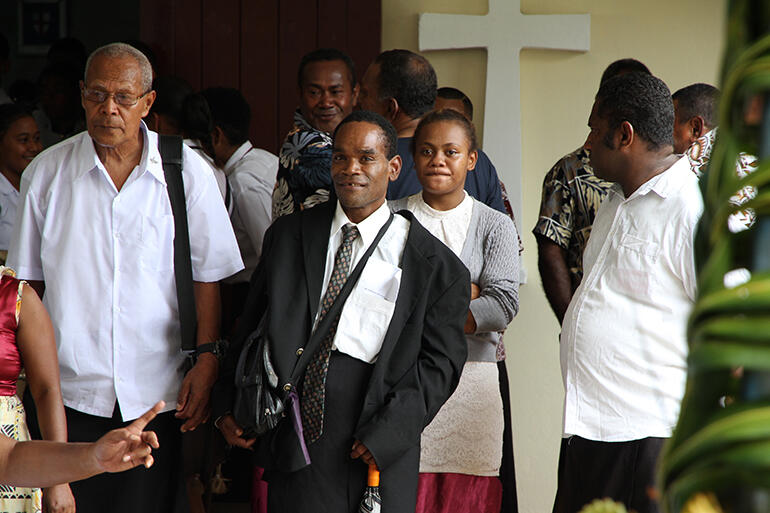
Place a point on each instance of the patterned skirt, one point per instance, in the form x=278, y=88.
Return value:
x=13, y=425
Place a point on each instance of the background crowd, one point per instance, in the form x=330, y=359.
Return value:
x=255, y=188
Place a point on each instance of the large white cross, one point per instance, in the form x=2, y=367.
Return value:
x=504, y=31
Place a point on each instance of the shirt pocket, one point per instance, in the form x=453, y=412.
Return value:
x=634, y=274
x=363, y=323
x=157, y=241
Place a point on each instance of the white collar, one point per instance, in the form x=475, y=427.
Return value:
x=237, y=155
x=88, y=160
x=663, y=184
x=368, y=228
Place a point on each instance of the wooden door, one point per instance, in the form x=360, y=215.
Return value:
x=256, y=46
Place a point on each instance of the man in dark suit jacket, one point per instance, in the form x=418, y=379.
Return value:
x=397, y=351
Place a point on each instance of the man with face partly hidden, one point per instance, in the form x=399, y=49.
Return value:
x=327, y=93
x=695, y=133
x=401, y=86
x=95, y=231
x=623, y=340
x=394, y=356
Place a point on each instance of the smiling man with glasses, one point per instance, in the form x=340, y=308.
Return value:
x=95, y=231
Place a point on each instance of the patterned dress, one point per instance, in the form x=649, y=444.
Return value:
x=12, y=418
x=304, y=169
x=571, y=196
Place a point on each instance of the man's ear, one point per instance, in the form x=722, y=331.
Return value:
x=147, y=101
x=217, y=136
x=394, y=168
x=356, y=90
x=152, y=121
x=391, y=109
x=697, y=127
x=625, y=134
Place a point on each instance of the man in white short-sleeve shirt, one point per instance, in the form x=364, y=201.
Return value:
x=250, y=172
x=95, y=231
x=623, y=341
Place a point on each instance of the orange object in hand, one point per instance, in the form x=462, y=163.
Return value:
x=374, y=476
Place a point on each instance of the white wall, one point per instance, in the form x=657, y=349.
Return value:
x=681, y=42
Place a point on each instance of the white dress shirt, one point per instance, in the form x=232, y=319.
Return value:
x=196, y=146
x=623, y=341
x=106, y=257
x=9, y=202
x=251, y=174
x=369, y=308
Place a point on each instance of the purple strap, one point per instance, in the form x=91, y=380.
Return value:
x=297, y=421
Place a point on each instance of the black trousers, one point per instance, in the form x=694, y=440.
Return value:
x=157, y=489
x=333, y=482
x=622, y=471
x=510, y=502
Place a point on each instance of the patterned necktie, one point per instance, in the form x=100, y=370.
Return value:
x=314, y=388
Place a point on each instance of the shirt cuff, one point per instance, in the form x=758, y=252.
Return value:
x=218, y=273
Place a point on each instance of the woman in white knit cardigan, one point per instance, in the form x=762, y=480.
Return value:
x=462, y=446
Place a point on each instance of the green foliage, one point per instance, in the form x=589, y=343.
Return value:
x=722, y=440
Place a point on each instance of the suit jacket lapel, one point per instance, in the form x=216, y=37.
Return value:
x=316, y=224
x=416, y=271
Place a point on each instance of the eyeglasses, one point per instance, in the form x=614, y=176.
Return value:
x=125, y=99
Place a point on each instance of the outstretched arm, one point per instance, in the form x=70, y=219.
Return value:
x=43, y=463
x=35, y=338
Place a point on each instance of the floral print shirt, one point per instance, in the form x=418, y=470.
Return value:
x=699, y=154
x=571, y=196
x=304, y=169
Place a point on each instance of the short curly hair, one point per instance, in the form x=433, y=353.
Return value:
x=326, y=55
x=229, y=111
x=410, y=79
x=388, y=134
x=697, y=100
x=644, y=101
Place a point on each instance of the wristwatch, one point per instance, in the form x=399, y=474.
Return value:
x=218, y=348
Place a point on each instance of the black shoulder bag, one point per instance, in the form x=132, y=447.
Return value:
x=259, y=403
x=171, y=155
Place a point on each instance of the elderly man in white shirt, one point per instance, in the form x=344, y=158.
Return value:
x=623, y=342
x=95, y=229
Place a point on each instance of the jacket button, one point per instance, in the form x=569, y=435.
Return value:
x=287, y=387
x=300, y=351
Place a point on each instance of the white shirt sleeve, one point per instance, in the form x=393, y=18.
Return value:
x=213, y=248
x=24, y=251
x=253, y=199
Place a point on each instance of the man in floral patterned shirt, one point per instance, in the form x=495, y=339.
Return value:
x=328, y=93
x=695, y=131
x=571, y=196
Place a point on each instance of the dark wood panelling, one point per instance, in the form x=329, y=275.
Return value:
x=364, y=19
x=188, y=40
x=259, y=62
x=221, y=43
x=256, y=46
x=296, y=36
x=332, y=24
x=154, y=30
